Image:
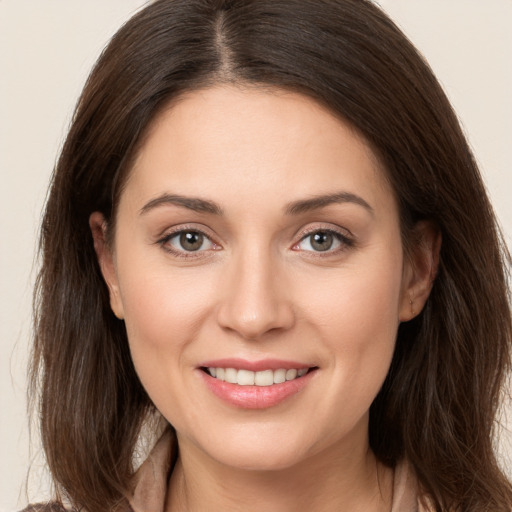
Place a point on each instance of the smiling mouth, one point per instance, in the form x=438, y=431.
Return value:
x=259, y=378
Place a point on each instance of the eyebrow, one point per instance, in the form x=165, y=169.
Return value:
x=317, y=202
x=192, y=203
x=294, y=208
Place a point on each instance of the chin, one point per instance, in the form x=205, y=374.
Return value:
x=257, y=451
x=257, y=460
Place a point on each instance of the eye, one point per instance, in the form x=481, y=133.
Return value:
x=323, y=240
x=187, y=241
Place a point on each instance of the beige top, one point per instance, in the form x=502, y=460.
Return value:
x=152, y=476
x=150, y=485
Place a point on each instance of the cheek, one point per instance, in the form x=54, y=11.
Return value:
x=164, y=313
x=363, y=299
x=164, y=310
x=356, y=315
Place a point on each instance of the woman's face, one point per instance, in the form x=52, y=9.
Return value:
x=257, y=235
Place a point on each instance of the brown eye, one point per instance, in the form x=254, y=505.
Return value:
x=187, y=241
x=321, y=241
x=191, y=240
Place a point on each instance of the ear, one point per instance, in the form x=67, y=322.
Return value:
x=420, y=269
x=105, y=256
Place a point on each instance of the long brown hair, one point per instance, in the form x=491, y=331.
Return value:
x=438, y=405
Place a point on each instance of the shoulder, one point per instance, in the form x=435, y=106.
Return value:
x=57, y=507
x=46, y=507
x=406, y=491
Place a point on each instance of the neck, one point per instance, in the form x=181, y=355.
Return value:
x=338, y=480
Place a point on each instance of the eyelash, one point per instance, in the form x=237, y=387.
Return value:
x=164, y=243
x=345, y=242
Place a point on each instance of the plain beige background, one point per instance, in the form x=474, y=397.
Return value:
x=46, y=50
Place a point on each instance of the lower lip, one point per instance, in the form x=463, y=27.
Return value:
x=255, y=397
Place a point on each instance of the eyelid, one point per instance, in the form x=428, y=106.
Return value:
x=174, y=231
x=332, y=228
x=343, y=235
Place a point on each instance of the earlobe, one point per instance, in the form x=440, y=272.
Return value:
x=98, y=226
x=420, y=269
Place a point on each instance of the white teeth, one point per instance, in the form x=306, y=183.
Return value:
x=245, y=378
x=279, y=376
x=291, y=374
x=264, y=378
x=261, y=378
x=230, y=375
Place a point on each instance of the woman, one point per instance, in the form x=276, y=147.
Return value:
x=266, y=225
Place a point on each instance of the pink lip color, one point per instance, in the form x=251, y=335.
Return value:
x=254, y=397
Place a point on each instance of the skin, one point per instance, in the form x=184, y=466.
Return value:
x=257, y=288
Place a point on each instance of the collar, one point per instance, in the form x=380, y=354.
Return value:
x=150, y=481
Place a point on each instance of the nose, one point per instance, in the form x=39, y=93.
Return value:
x=255, y=297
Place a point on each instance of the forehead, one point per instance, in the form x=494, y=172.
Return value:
x=229, y=142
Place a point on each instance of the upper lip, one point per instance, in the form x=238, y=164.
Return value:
x=255, y=366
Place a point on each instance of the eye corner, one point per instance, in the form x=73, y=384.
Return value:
x=187, y=242
x=337, y=241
